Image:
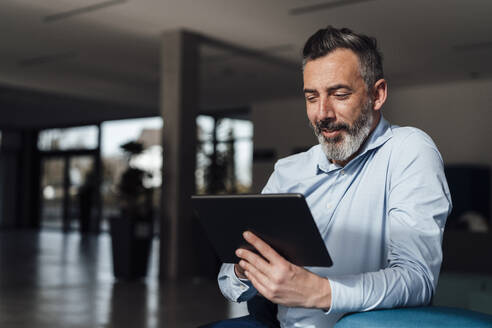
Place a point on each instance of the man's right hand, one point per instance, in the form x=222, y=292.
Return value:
x=239, y=271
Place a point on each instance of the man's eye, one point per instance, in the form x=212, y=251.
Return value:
x=342, y=95
x=310, y=99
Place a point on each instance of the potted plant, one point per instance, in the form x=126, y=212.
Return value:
x=132, y=230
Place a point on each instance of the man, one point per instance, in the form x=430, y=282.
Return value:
x=377, y=192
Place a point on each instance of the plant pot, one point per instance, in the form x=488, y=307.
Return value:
x=131, y=241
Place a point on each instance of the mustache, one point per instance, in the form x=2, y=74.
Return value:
x=330, y=125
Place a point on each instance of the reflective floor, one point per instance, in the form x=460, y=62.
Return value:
x=51, y=279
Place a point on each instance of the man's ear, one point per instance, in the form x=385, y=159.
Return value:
x=379, y=94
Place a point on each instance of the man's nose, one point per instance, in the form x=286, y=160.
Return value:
x=326, y=109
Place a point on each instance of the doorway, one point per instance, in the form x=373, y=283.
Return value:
x=68, y=191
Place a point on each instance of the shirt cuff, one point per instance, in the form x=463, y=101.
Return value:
x=241, y=289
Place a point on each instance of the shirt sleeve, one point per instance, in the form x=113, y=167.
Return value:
x=232, y=287
x=418, y=203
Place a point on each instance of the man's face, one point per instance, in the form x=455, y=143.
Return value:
x=337, y=102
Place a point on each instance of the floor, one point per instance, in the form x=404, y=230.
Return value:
x=51, y=279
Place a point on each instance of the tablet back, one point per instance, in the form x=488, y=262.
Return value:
x=284, y=221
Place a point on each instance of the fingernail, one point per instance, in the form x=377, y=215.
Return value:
x=238, y=252
x=246, y=234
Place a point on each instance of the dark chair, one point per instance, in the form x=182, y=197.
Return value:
x=418, y=317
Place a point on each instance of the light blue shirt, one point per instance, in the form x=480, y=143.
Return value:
x=381, y=216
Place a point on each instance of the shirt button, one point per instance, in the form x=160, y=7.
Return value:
x=342, y=172
x=328, y=205
x=242, y=287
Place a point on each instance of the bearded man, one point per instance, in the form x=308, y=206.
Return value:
x=377, y=192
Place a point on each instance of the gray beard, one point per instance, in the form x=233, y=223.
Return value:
x=349, y=141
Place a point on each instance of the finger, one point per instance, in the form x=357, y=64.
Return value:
x=260, y=276
x=256, y=260
x=260, y=287
x=263, y=248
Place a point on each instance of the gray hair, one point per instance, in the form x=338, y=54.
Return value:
x=327, y=40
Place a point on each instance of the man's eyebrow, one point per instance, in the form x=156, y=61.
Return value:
x=329, y=89
x=338, y=86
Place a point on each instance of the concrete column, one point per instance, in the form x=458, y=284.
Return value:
x=179, y=107
x=11, y=148
x=30, y=179
x=19, y=180
x=95, y=223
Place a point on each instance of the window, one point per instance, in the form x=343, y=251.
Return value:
x=83, y=137
x=224, y=155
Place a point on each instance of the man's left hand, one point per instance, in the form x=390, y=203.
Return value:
x=281, y=281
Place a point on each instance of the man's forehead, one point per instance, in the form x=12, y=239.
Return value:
x=341, y=65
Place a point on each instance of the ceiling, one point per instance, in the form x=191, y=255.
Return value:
x=108, y=50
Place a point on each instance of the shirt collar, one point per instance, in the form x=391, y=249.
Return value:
x=378, y=137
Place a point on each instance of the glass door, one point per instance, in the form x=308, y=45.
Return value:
x=68, y=192
x=82, y=193
x=69, y=178
x=52, y=192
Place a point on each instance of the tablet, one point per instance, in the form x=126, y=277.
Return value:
x=284, y=221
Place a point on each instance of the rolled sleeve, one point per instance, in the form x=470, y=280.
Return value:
x=233, y=288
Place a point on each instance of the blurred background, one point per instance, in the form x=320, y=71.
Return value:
x=122, y=109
